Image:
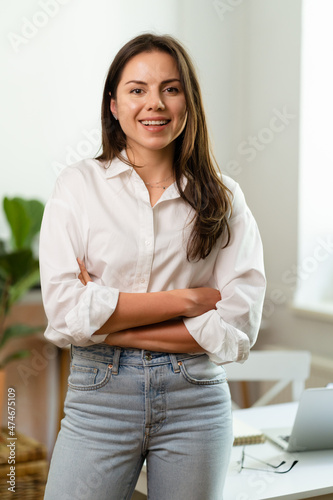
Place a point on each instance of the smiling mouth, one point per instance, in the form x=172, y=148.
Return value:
x=155, y=123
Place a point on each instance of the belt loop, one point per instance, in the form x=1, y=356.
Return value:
x=174, y=362
x=115, y=360
x=71, y=351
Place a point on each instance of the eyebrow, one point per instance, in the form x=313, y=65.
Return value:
x=139, y=82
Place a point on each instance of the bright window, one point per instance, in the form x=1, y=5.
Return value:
x=315, y=256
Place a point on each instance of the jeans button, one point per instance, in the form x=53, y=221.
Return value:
x=148, y=356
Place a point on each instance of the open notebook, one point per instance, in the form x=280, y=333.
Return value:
x=246, y=434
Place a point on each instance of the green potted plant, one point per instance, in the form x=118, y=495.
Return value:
x=19, y=271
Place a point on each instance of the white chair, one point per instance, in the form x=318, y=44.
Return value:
x=284, y=367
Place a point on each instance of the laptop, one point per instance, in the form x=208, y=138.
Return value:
x=313, y=426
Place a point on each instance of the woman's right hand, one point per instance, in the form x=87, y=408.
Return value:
x=84, y=276
x=199, y=300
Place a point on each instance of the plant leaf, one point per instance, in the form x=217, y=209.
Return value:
x=19, y=330
x=18, y=220
x=22, y=286
x=34, y=209
x=16, y=355
x=15, y=265
x=25, y=218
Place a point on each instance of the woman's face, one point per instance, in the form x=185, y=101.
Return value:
x=150, y=102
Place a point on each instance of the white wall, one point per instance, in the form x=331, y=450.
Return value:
x=54, y=75
x=272, y=44
x=248, y=59
x=55, y=55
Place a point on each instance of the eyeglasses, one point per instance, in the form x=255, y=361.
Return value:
x=275, y=467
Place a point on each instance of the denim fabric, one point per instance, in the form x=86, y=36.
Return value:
x=124, y=406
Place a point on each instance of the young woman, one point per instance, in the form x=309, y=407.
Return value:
x=152, y=270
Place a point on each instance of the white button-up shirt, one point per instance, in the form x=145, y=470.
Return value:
x=104, y=216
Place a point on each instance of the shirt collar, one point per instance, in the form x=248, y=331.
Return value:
x=116, y=167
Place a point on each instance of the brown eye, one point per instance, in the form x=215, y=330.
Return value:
x=172, y=90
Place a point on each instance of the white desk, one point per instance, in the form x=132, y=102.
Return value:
x=312, y=476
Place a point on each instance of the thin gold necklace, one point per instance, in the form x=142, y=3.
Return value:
x=151, y=184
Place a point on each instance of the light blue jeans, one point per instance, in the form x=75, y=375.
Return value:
x=126, y=405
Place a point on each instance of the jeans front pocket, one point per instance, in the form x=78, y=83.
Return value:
x=88, y=375
x=200, y=370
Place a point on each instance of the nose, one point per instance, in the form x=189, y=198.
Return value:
x=154, y=102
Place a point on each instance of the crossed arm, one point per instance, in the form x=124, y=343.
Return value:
x=151, y=321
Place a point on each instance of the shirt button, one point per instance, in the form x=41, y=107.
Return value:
x=142, y=280
x=148, y=243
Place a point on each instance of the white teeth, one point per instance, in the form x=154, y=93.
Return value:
x=154, y=122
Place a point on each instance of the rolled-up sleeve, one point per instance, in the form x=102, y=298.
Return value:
x=74, y=311
x=228, y=332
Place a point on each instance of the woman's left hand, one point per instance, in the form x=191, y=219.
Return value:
x=84, y=276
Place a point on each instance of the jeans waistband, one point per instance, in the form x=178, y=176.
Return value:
x=118, y=356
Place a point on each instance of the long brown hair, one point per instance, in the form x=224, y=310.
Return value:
x=205, y=191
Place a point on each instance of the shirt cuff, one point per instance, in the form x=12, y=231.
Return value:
x=94, y=308
x=222, y=342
